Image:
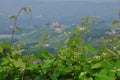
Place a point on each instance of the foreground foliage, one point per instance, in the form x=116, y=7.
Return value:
x=74, y=60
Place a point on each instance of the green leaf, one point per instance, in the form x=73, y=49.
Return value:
x=97, y=65
x=27, y=78
x=88, y=19
x=37, y=78
x=1, y=69
x=90, y=49
x=115, y=22
x=19, y=64
x=90, y=78
x=19, y=29
x=117, y=66
x=5, y=61
x=108, y=65
x=47, y=65
x=82, y=73
x=104, y=75
x=5, y=45
x=27, y=10
x=55, y=75
x=86, y=68
x=1, y=49
x=12, y=17
x=45, y=54
x=77, y=68
x=32, y=66
x=118, y=74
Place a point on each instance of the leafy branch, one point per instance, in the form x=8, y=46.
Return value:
x=15, y=17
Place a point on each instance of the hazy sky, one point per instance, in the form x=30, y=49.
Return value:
x=85, y=0
x=14, y=5
x=68, y=0
x=48, y=11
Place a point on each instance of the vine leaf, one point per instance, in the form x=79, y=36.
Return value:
x=27, y=10
x=12, y=17
x=19, y=29
x=115, y=22
x=97, y=65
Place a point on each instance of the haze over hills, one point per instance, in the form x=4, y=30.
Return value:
x=48, y=11
x=55, y=10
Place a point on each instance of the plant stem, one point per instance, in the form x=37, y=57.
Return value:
x=14, y=28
